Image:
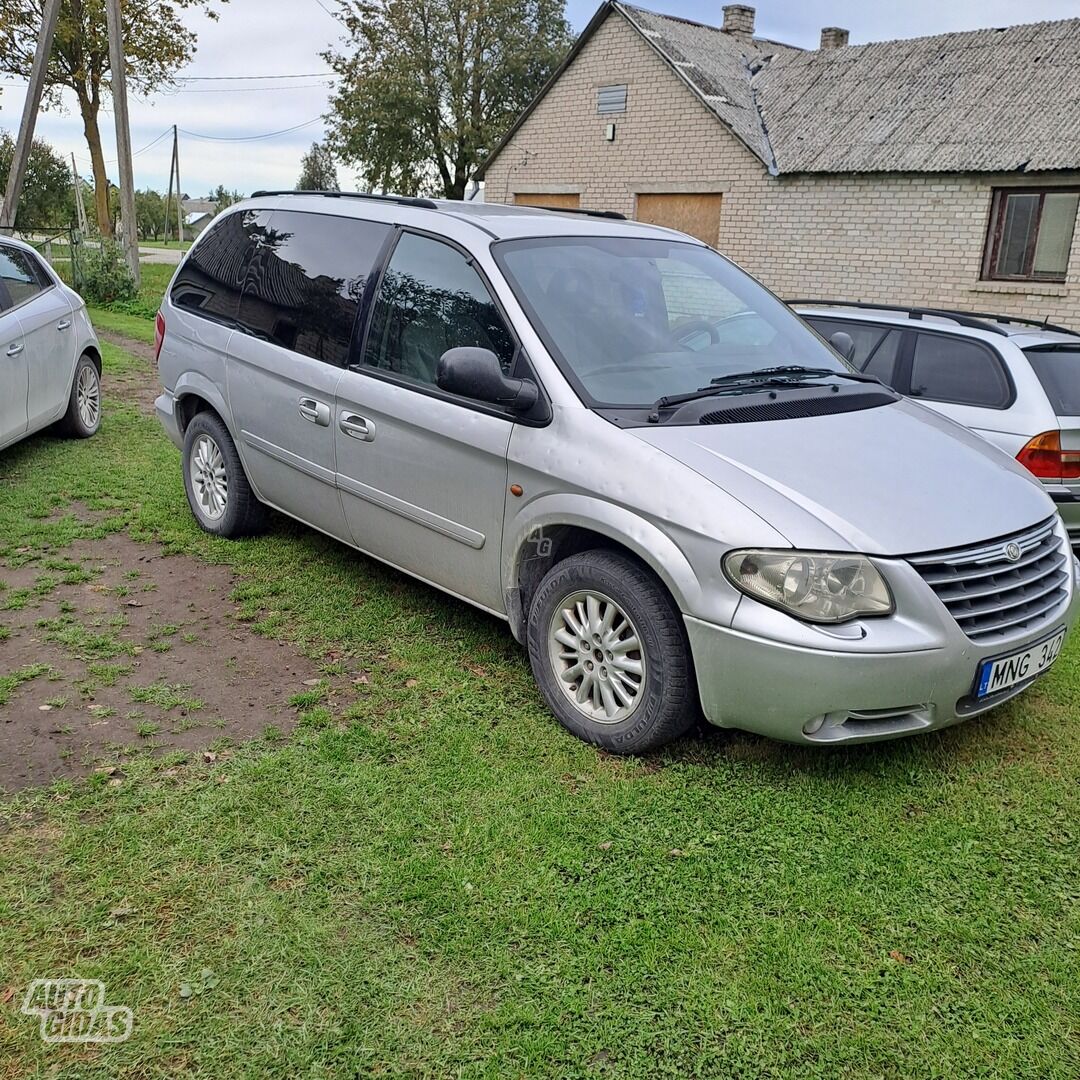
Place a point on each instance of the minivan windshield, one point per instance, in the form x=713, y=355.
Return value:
x=1058, y=369
x=632, y=321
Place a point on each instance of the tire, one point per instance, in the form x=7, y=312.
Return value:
x=217, y=487
x=628, y=603
x=83, y=416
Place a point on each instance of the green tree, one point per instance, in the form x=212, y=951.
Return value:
x=156, y=44
x=428, y=86
x=223, y=198
x=150, y=213
x=317, y=171
x=47, y=195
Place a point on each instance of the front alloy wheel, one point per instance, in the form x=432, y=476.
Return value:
x=609, y=652
x=596, y=655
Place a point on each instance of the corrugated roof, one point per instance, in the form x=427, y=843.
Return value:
x=718, y=67
x=976, y=101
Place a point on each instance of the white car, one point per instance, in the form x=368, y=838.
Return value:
x=50, y=361
x=1015, y=382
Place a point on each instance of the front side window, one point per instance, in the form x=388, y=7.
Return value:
x=631, y=321
x=430, y=300
x=210, y=278
x=876, y=345
x=950, y=369
x=303, y=286
x=1031, y=232
x=19, y=277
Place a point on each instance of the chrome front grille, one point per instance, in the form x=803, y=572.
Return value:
x=992, y=596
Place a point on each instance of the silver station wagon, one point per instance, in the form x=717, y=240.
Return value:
x=681, y=499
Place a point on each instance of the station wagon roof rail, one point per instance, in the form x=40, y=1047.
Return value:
x=977, y=320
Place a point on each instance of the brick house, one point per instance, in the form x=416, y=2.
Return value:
x=939, y=170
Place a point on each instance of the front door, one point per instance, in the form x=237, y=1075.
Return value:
x=423, y=473
x=294, y=331
x=12, y=375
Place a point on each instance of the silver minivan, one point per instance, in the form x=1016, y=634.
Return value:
x=681, y=499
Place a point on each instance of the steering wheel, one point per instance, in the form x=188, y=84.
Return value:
x=696, y=326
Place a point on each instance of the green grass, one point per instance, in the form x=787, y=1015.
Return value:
x=432, y=879
x=138, y=327
x=11, y=682
x=172, y=245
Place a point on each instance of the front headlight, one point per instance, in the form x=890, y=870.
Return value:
x=810, y=585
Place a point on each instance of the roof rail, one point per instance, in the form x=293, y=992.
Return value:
x=977, y=320
x=614, y=215
x=403, y=200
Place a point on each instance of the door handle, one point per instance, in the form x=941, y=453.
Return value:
x=317, y=412
x=357, y=427
x=64, y=324
x=14, y=350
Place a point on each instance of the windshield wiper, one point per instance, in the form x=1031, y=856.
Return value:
x=788, y=373
x=783, y=375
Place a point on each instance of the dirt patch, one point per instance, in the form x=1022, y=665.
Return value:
x=139, y=387
x=110, y=648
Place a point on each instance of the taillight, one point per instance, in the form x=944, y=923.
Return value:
x=159, y=334
x=1045, y=458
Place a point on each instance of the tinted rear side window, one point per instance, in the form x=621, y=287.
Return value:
x=210, y=279
x=303, y=288
x=959, y=371
x=1058, y=370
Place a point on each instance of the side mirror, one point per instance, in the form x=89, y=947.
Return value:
x=844, y=344
x=476, y=373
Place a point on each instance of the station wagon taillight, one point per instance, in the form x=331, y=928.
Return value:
x=1045, y=458
x=159, y=334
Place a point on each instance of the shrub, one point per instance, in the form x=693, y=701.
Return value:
x=106, y=277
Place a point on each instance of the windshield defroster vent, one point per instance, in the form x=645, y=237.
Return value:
x=794, y=409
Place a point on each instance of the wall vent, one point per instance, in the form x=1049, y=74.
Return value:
x=611, y=99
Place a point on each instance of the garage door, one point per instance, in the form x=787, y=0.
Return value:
x=696, y=214
x=552, y=200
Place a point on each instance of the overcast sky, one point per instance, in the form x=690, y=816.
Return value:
x=285, y=37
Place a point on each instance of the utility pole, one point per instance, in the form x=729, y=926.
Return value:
x=179, y=189
x=29, y=116
x=80, y=209
x=123, y=135
x=168, y=197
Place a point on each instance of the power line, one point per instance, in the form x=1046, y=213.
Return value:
x=244, y=89
x=250, y=138
x=249, y=78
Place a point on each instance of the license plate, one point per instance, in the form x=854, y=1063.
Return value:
x=999, y=674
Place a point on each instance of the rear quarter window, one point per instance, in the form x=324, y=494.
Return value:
x=1058, y=369
x=958, y=371
x=211, y=277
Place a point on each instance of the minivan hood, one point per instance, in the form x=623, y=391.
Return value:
x=893, y=480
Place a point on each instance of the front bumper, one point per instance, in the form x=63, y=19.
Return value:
x=871, y=683
x=165, y=408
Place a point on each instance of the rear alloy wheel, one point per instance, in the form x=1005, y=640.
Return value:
x=609, y=651
x=83, y=416
x=217, y=487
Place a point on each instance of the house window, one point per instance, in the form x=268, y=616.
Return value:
x=1031, y=231
x=611, y=99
